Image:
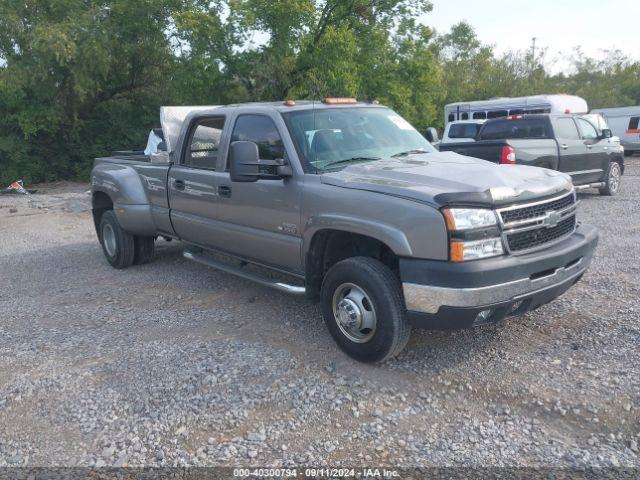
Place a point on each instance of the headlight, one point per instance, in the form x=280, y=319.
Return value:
x=468, y=218
x=473, y=234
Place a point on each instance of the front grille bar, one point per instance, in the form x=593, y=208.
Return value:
x=537, y=222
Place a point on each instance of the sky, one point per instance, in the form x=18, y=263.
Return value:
x=558, y=25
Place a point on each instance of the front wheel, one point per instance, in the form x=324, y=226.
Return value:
x=363, y=308
x=612, y=181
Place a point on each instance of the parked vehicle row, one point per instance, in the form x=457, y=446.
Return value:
x=567, y=143
x=356, y=208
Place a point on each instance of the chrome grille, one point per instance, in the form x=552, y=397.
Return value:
x=538, y=210
x=535, y=225
x=534, y=238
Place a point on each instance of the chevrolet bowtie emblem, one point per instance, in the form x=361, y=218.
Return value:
x=551, y=219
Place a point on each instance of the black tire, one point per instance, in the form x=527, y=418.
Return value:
x=628, y=153
x=612, y=179
x=384, y=293
x=144, y=250
x=119, y=248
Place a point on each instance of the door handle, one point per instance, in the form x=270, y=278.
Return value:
x=224, y=191
x=589, y=146
x=564, y=146
x=178, y=184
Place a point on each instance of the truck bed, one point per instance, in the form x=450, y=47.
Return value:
x=532, y=151
x=130, y=158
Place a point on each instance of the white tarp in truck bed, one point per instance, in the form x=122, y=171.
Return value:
x=172, y=118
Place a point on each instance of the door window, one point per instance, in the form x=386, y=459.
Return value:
x=566, y=128
x=262, y=131
x=589, y=132
x=204, y=143
x=633, y=123
x=479, y=115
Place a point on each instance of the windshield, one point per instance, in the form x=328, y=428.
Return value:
x=333, y=138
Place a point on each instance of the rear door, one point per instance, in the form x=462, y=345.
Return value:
x=571, y=148
x=192, y=184
x=597, y=152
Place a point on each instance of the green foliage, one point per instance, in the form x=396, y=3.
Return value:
x=79, y=78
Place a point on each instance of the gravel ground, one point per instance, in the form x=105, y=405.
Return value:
x=175, y=364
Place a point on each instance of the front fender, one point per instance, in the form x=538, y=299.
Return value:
x=395, y=239
x=124, y=187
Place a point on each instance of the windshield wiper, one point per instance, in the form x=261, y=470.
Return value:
x=352, y=159
x=409, y=152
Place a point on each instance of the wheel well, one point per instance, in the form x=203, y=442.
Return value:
x=100, y=203
x=621, y=163
x=328, y=247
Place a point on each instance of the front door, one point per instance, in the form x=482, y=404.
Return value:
x=261, y=220
x=193, y=189
x=596, y=152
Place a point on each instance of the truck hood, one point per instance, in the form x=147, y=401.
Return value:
x=447, y=178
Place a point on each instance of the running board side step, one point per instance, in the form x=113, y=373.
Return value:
x=590, y=185
x=240, y=272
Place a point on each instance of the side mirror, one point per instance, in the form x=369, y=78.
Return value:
x=245, y=164
x=606, y=133
x=431, y=134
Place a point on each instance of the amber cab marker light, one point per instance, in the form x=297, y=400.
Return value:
x=290, y=103
x=333, y=101
x=456, y=252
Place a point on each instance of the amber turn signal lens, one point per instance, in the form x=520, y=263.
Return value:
x=449, y=220
x=457, y=251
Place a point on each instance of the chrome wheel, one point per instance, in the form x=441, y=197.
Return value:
x=354, y=313
x=614, y=177
x=109, y=240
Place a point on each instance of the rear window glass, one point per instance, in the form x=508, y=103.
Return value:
x=464, y=130
x=633, y=123
x=520, y=128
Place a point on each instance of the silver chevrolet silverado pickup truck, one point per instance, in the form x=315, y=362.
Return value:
x=348, y=204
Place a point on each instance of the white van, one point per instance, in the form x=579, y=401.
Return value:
x=624, y=122
x=503, y=107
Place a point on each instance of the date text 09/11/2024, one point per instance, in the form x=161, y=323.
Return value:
x=316, y=473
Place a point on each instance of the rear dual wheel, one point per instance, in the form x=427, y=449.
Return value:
x=121, y=248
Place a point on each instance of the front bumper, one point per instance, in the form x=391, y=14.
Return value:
x=448, y=295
